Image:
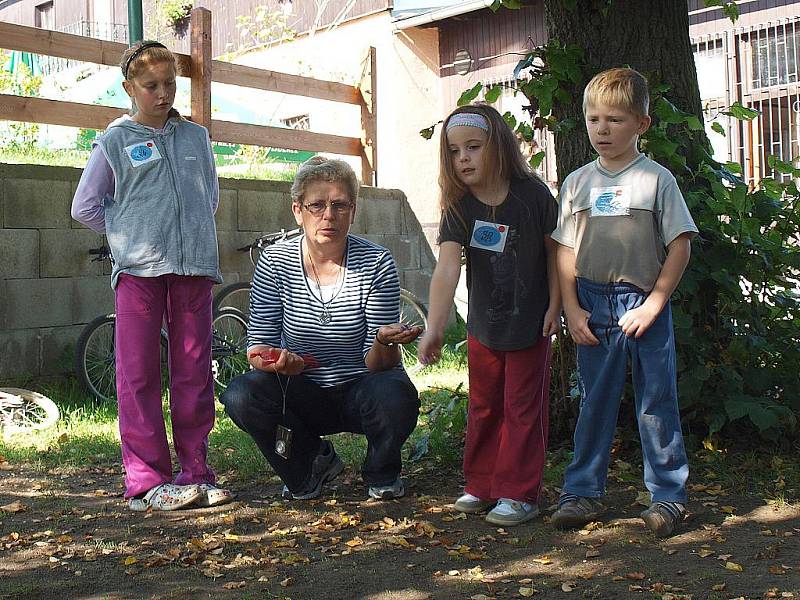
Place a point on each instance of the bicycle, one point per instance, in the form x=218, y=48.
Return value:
x=237, y=295
x=24, y=410
x=95, y=363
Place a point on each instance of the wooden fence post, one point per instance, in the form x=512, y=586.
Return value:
x=201, y=66
x=369, y=120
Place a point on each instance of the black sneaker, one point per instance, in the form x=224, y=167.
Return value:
x=576, y=511
x=662, y=518
x=395, y=489
x=326, y=467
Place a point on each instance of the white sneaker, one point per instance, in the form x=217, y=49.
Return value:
x=510, y=512
x=472, y=504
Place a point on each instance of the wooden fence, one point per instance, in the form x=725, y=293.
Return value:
x=201, y=70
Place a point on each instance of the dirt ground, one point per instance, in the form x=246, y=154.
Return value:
x=68, y=534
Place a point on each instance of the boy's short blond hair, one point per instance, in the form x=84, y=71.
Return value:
x=621, y=88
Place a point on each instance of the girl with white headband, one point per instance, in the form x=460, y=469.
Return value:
x=499, y=215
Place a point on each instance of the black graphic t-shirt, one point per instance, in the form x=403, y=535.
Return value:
x=506, y=263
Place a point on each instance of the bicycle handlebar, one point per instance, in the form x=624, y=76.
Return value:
x=102, y=253
x=271, y=238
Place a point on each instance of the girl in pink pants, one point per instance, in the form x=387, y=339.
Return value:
x=151, y=187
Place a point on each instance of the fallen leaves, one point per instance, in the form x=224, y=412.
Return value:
x=14, y=507
x=234, y=585
x=732, y=566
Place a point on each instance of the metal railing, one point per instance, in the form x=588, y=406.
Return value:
x=758, y=66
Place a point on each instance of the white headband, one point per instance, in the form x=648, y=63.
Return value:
x=468, y=119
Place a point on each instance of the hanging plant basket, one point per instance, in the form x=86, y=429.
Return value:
x=176, y=14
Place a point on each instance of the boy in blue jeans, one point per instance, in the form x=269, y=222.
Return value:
x=624, y=236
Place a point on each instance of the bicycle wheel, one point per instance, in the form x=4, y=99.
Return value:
x=95, y=365
x=412, y=312
x=235, y=295
x=25, y=410
x=228, y=346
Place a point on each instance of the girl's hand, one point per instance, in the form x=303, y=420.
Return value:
x=429, y=350
x=552, y=321
x=275, y=360
x=398, y=333
x=578, y=323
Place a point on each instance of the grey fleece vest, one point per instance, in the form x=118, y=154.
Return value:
x=160, y=219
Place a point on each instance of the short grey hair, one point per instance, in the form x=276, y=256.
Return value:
x=319, y=168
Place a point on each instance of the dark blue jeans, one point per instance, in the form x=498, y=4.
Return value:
x=383, y=406
x=602, y=371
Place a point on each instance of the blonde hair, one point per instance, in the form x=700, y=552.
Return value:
x=503, y=157
x=143, y=58
x=620, y=88
x=319, y=168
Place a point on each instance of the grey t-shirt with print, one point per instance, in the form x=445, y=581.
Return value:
x=506, y=263
x=619, y=224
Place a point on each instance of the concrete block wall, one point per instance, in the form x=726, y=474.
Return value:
x=50, y=288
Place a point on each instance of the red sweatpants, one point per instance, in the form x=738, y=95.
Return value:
x=507, y=421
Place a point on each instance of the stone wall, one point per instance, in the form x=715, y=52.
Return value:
x=50, y=288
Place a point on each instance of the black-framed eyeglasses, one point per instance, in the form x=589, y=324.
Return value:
x=319, y=207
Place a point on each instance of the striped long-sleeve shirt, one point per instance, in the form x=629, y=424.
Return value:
x=285, y=308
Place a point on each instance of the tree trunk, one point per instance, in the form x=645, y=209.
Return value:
x=651, y=37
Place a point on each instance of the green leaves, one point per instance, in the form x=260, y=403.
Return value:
x=493, y=94
x=737, y=111
x=536, y=160
x=470, y=95
x=427, y=133
x=513, y=4
x=718, y=128
x=728, y=7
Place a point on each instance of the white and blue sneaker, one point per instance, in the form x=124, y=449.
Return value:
x=510, y=512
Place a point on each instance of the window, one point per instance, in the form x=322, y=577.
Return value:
x=775, y=55
x=44, y=17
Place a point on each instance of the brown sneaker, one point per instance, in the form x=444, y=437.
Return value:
x=576, y=511
x=662, y=518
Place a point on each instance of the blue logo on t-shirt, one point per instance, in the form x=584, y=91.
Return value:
x=486, y=236
x=607, y=203
x=140, y=153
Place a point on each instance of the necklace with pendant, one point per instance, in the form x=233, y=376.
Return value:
x=324, y=316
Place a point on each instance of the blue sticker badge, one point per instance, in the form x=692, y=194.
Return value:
x=613, y=201
x=489, y=236
x=142, y=153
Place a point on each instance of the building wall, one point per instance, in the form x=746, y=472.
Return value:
x=496, y=42
x=304, y=16
x=49, y=287
x=408, y=96
x=703, y=20
x=24, y=11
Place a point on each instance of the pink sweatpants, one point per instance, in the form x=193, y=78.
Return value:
x=141, y=305
x=507, y=421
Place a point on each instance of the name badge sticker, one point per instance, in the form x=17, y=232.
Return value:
x=142, y=153
x=614, y=201
x=489, y=236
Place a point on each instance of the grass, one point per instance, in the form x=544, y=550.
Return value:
x=87, y=434
x=237, y=168
x=42, y=156
x=88, y=431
